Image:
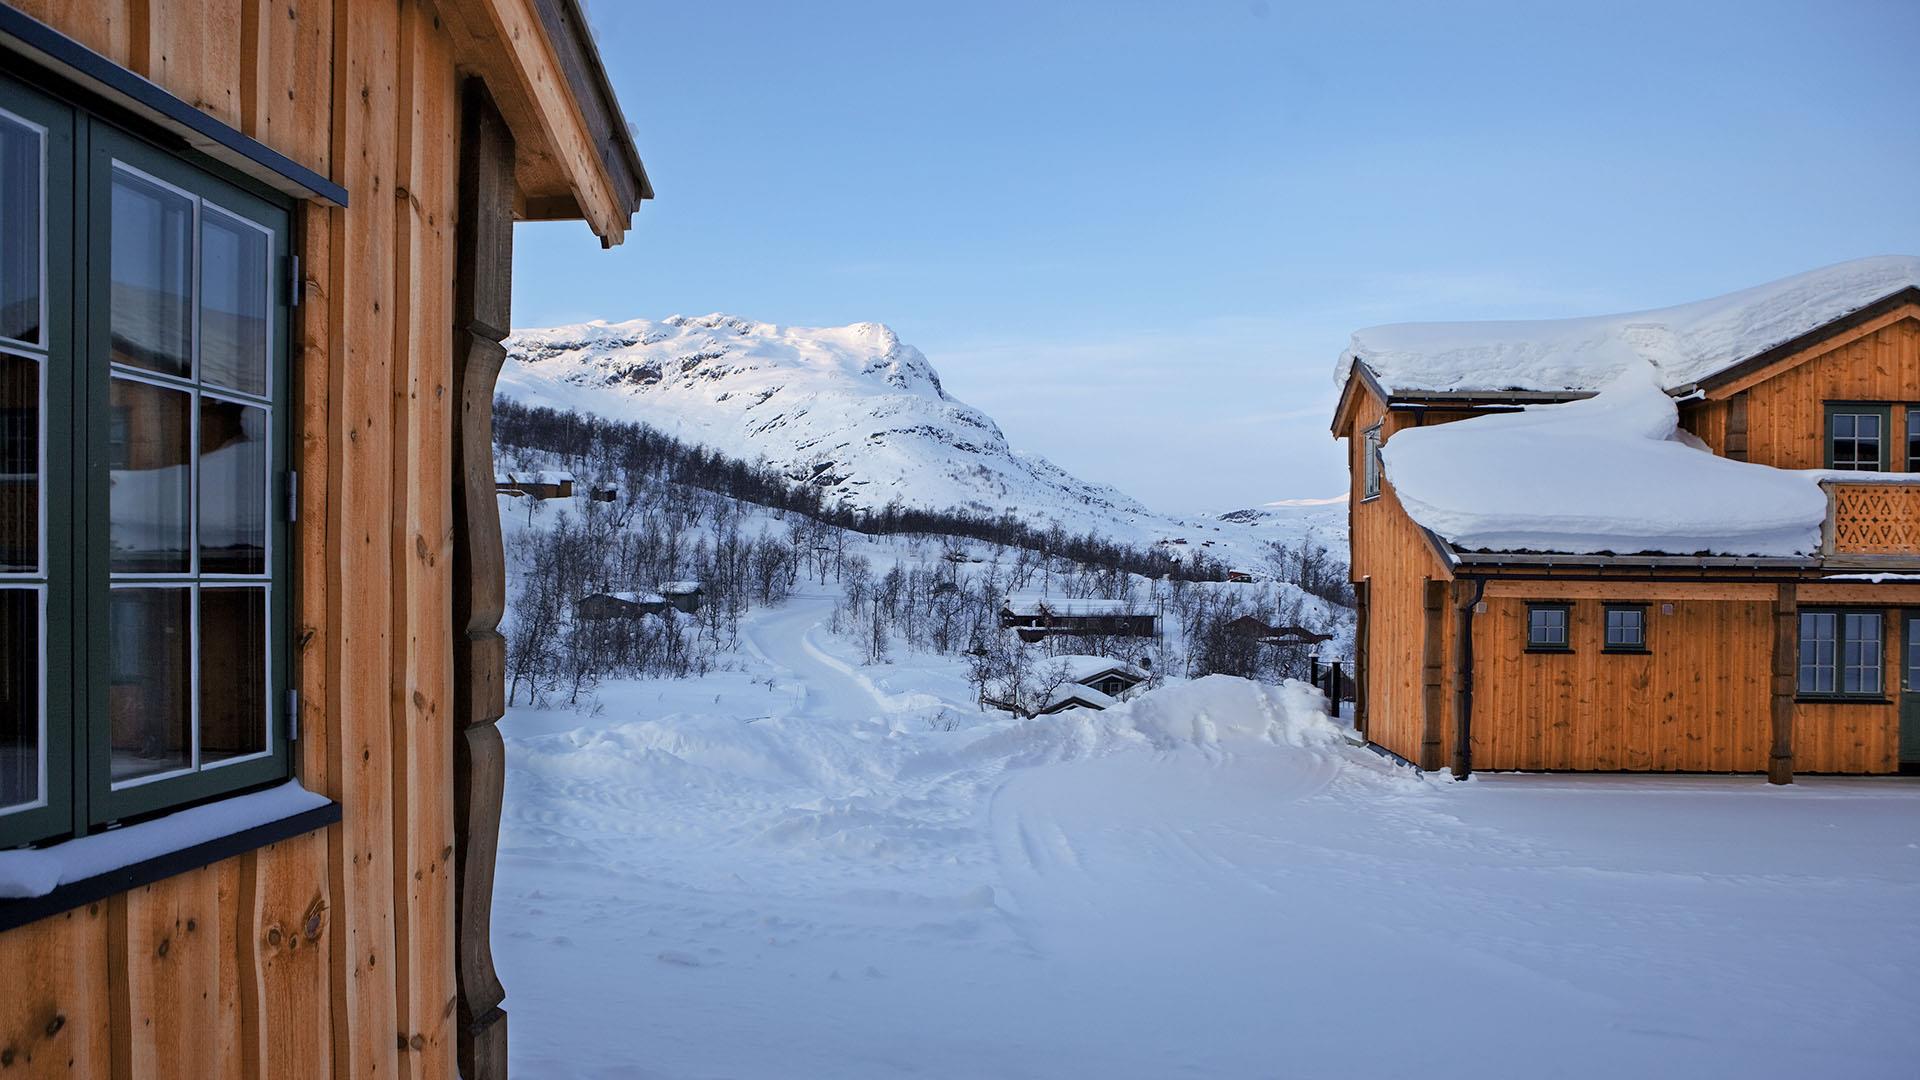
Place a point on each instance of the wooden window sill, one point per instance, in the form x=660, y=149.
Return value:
x=1841, y=699
x=1627, y=652
x=72, y=894
x=1549, y=650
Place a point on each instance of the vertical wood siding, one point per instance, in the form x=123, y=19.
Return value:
x=329, y=955
x=1393, y=556
x=1785, y=415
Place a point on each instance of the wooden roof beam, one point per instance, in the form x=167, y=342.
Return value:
x=561, y=171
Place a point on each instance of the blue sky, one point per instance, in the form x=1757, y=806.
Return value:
x=1138, y=234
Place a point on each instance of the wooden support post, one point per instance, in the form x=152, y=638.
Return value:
x=483, y=276
x=1360, y=656
x=1462, y=763
x=1433, y=677
x=1786, y=627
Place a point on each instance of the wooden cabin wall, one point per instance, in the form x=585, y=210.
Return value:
x=1393, y=556
x=1786, y=417
x=1696, y=701
x=329, y=954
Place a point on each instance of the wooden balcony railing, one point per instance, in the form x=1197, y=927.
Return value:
x=1873, y=518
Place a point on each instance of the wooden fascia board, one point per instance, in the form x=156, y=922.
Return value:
x=1887, y=311
x=1349, y=399
x=514, y=27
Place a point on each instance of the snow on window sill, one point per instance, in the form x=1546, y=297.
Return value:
x=35, y=883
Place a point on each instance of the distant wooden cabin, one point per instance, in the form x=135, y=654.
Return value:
x=684, y=595
x=1240, y=577
x=1512, y=655
x=261, y=253
x=1247, y=626
x=1092, y=682
x=1036, y=617
x=621, y=605
x=537, y=483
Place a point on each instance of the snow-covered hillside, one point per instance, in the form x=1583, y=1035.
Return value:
x=856, y=411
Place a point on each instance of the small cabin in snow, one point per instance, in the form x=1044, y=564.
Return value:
x=1240, y=577
x=1091, y=682
x=1034, y=617
x=1247, y=626
x=1681, y=540
x=537, y=483
x=684, y=595
x=620, y=605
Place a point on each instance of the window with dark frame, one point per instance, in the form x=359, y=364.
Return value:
x=1626, y=628
x=137, y=288
x=1375, y=467
x=1842, y=654
x=1547, y=628
x=1857, y=437
x=1913, y=438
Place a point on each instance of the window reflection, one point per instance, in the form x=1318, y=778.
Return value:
x=233, y=303
x=19, y=464
x=150, y=435
x=152, y=276
x=233, y=488
x=233, y=673
x=20, y=236
x=149, y=701
x=19, y=696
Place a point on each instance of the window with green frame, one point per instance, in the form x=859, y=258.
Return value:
x=1858, y=436
x=143, y=442
x=1842, y=654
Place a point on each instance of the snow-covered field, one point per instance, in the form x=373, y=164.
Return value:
x=806, y=868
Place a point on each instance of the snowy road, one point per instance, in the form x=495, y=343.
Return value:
x=1206, y=884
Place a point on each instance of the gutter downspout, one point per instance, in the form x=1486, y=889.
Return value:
x=1463, y=682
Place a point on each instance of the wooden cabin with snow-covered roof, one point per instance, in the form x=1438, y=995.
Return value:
x=1680, y=540
x=255, y=270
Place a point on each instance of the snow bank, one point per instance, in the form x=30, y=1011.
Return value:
x=1217, y=708
x=1608, y=474
x=37, y=872
x=1684, y=343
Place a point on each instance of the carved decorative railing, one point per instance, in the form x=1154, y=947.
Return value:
x=1873, y=518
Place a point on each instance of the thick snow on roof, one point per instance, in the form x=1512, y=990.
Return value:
x=1684, y=344
x=1608, y=474
x=1037, y=604
x=679, y=588
x=1086, y=695
x=1081, y=667
x=538, y=476
x=639, y=597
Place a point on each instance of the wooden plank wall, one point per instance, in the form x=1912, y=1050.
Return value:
x=1393, y=557
x=330, y=954
x=1786, y=421
x=1697, y=701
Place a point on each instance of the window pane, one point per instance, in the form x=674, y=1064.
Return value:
x=19, y=465
x=1817, y=652
x=233, y=303
x=1913, y=654
x=1863, y=652
x=149, y=434
x=1843, y=426
x=20, y=232
x=233, y=673
x=150, y=699
x=19, y=697
x=1913, y=438
x=152, y=298
x=233, y=488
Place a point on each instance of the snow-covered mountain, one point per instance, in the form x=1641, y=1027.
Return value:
x=856, y=411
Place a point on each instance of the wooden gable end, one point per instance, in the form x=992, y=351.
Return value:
x=1774, y=412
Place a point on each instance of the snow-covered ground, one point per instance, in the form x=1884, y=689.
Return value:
x=806, y=868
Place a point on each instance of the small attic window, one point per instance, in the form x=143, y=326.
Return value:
x=1373, y=466
x=1857, y=437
